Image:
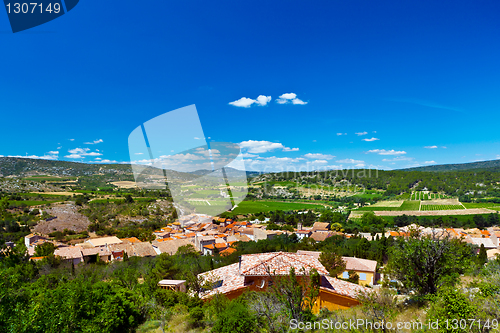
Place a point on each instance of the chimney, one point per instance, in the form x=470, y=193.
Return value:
x=239, y=266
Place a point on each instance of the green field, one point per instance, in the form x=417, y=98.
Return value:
x=441, y=207
x=49, y=178
x=490, y=205
x=406, y=205
x=255, y=207
x=29, y=202
x=410, y=205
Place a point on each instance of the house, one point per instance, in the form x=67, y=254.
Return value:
x=170, y=246
x=228, y=251
x=492, y=254
x=143, y=249
x=174, y=285
x=71, y=254
x=104, y=241
x=487, y=242
x=201, y=241
x=321, y=226
x=366, y=269
x=130, y=240
x=320, y=236
x=90, y=254
x=256, y=272
x=301, y=234
x=211, y=249
x=264, y=234
x=32, y=238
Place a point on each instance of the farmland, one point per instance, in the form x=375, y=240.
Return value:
x=441, y=207
x=255, y=207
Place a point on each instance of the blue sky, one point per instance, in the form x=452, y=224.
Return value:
x=404, y=75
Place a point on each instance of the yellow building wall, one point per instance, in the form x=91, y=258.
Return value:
x=369, y=278
x=333, y=301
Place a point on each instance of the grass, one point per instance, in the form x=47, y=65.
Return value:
x=406, y=205
x=470, y=205
x=49, y=178
x=255, y=207
x=410, y=205
x=31, y=202
x=441, y=207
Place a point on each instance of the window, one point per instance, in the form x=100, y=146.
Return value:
x=345, y=275
x=362, y=276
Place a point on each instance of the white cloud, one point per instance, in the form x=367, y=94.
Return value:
x=245, y=102
x=257, y=147
x=319, y=156
x=298, y=101
x=73, y=156
x=351, y=161
x=44, y=157
x=263, y=100
x=54, y=152
x=290, y=98
x=397, y=159
x=429, y=162
x=93, y=142
x=105, y=161
x=71, y=139
x=139, y=154
x=361, y=133
x=431, y=147
x=370, y=140
x=386, y=152
x=79, y=152
x=360, y=165
x=93, y=154
x=341, y=134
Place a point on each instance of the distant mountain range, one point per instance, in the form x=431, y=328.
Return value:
x=15, y=166
x=493, y=166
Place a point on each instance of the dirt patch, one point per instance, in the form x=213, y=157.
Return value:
x=440, y=202
x=388, y=204
x=67, y=217
x=436, y=212
x=125, y=184
x=59, y=193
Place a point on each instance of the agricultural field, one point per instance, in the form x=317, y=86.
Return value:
x=255, y=207
x=397, y=203
x=441, y=207
x=410, y=205
x=49, y=178
x=489, y=205
x=392, y=206
x=425, y=195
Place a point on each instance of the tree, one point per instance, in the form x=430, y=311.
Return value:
x=297, y=294
x=45, y=249
x=452, y=306
x=333, y=261
x=425, y=263
x=482, y=257
x=379, y=305
x=235, y=318
x=129, y=199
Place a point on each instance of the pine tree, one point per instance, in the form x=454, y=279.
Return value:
x=482, y=257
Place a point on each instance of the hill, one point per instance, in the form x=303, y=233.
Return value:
x=15, y=166
x=492, y=166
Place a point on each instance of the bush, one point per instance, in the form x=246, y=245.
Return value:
x=235, y=318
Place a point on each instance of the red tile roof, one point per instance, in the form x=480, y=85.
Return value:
x=279, y=263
